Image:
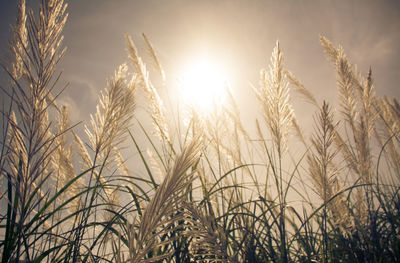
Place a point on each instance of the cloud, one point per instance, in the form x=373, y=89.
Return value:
x=80, y=98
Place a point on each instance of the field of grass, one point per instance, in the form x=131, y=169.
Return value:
x=208, y=189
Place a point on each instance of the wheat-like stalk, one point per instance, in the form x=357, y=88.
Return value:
x=320, y=160
x=113, y=114
x=299, y=87
x=107, y=131
x=17, y=157
x=278, y=114
x=37, y=47
x=209, y=243
x=323, y=170
x=156, y=108
x=109, y=128
x=154, y=56
x=162, y=210
x=86, y=159
x=20, y=40
x=62, y=162
x=358, y=111
x=389, y=112
x=273, y=95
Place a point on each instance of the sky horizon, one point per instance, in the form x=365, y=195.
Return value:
x=239, y=34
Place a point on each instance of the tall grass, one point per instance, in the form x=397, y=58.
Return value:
x=210, y=189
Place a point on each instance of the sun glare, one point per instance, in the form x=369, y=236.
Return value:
x=203, y=85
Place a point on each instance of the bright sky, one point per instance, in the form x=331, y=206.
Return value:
x=238, y=34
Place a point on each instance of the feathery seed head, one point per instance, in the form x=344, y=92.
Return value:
x=114, y=113
x=273, y=95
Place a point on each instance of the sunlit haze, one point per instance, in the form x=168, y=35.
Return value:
x=238, y=34
x=203, y=84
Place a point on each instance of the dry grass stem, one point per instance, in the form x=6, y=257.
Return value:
x=156, y=108
x=164, y=205
x=273, y=95
x=114, y=112
x=154, y=56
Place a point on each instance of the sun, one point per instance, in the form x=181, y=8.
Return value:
x=203, y=84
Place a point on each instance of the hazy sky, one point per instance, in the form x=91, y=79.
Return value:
x=240, y=34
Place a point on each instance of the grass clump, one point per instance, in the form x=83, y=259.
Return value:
x=225, y=194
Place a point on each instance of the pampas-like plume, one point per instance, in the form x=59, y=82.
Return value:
x=18, y=156
x=83, y=152
x=321, y=165
x=345, y=80
x=329, y=49
x=114, y=113
x=163, y=208
x=62, y=162
x=274, y=97
x=324, y=174
x=156, y=108
x=321, y=158
x=390, y=119
x=20, y=41
x=209, y=242
x=37, y=47
x=109, y=126
x=154, y=56
x=299, y=87
x=358, y=112
x=348, y=98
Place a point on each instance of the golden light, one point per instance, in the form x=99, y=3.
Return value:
x=203, y=85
